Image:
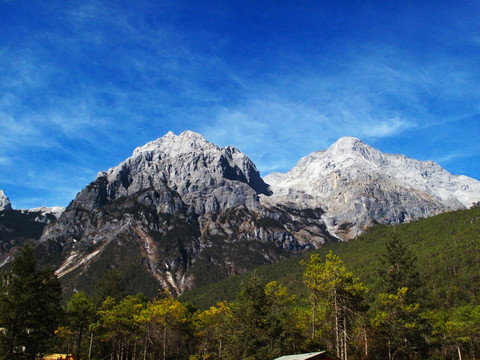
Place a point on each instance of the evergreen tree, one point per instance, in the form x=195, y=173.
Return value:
x=110, y=285
x=400, y=330
x=29, y=308
x=261, y=324
x=80, y=313
x=397, y=269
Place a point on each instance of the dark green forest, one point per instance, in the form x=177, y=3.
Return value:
x=396, y=292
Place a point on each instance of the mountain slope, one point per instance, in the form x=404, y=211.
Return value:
x=446, y=246
x=189, y=212
x=18, y=226
x=358, y=186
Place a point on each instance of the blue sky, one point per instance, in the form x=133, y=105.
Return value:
x=82, y=83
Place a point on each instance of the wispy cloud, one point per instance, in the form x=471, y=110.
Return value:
x=386, y=128
x=5, y=161
x=96, y=79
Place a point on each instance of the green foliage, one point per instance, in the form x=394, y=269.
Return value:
x=400, y=329
x=262, y=323
x=110, y=285
x=456, y=330
x=339, y=296
x=397, y=269
x=29, y=308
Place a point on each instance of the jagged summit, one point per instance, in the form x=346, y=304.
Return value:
x=181, y=210
x=359, y=185
x=4, y=202
x=172, y=144
x=187, y=208
x=191, y=166
x=347, y=142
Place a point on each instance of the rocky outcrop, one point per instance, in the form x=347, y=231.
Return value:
x=192, y=210
x=19, y=226
x=358, y=186
x=182, y=212
x=4, y=202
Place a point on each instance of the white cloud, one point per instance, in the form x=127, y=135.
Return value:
x=133, y=78
x=387, y=128
x=5, y=161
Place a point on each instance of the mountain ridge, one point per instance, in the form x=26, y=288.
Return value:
x=182, y=203
x=357, y=185
x=182, y=212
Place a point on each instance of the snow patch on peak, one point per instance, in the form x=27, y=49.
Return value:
x=354, y=148
x=54, y=210
x=4, y=202
x=347, y=142
x=171, y=144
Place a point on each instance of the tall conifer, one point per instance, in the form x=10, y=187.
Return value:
x=29, y=308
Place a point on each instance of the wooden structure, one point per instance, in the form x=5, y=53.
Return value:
x=322, y=355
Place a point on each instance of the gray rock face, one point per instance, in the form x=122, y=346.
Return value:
x=4, y=202
x=204, y=176
x=183, y=212
x=45, y=214
x=184, y=205
x=358, y=185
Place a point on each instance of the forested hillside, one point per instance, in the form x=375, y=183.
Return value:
x=404, y=292
x=446, y=246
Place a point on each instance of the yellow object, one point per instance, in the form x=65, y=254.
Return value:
x=59, y=357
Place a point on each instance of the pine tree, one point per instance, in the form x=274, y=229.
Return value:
x=397, y=269
x=401, y=331
x=80, y=314
x=29, y=308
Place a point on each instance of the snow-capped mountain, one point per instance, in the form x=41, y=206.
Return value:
x=182, y=212
x=187, y=210
x=358, y=185
x=4, y=202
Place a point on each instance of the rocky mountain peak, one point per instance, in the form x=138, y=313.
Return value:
x=347, y=143
x=359, y=185
x=187, y=208
x=4, y=202
x=350, y=148
x=174, y=145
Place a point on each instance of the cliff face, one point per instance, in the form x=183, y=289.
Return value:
x=182, y=212
x=188, y=210
x=4, y=202
x=358, y=185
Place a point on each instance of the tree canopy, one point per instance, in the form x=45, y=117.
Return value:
x=29, y=307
